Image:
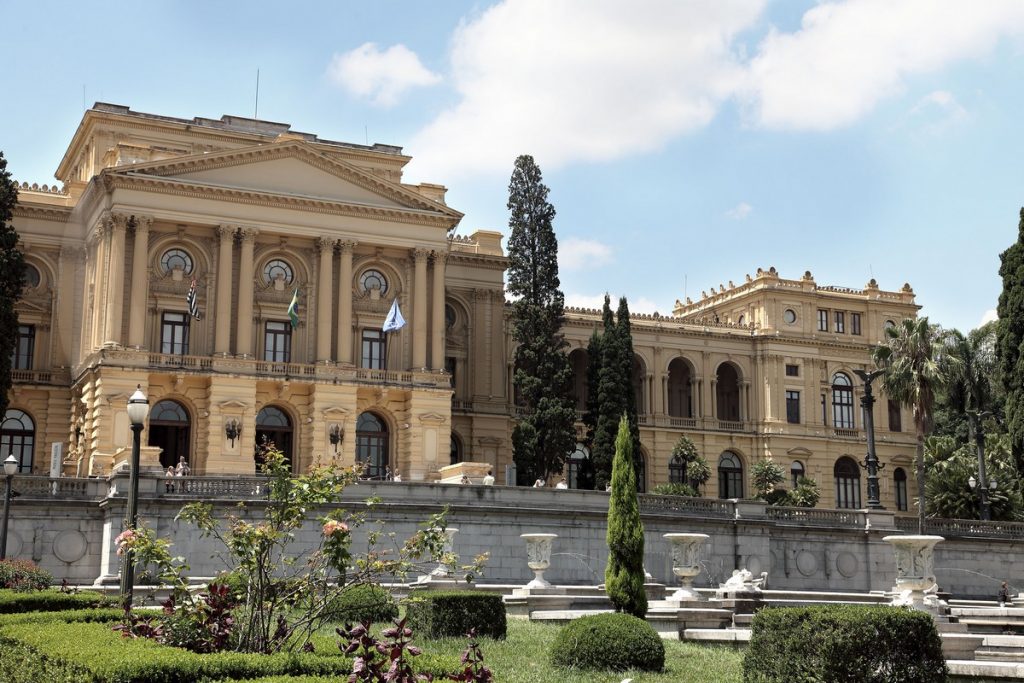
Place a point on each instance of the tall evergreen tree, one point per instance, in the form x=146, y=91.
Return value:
x=624, y=332
x=12, y=279
x=612, y=401
x=587, y=470
x=624, y=573
x=1010, y=337
x=545, y=433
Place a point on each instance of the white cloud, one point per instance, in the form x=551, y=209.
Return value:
x=596, y=301
x=847, y=56
x=937, y=111
x=575, y=253
x=593, y=81
x=988, y=317
x=380, y=76
x=739, y=212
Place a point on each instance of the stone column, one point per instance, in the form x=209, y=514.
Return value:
x=345, y=302
x=115, y=292
x=243, y=334
x=714, y=399
x=222, y=335
x=140, y=283
x=419, y=310
x=437, y=326
x=324, y=286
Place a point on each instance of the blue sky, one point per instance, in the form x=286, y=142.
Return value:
x=685, y=143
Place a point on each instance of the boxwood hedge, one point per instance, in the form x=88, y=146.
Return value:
x=51, y=601
x=608, y=642
x=451, y=614
x=843, y=644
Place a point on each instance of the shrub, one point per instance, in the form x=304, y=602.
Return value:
x=452, y=614
x=50, y=601
x=363, y=602
x=674, y=489
x=843, y=644
x=624, y=572
x=608, y=642
x=23, y=575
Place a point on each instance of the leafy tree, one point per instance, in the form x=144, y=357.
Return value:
x=917, y=362
x=974, y=390
x=950, y=465
x=545, y=433
x=1010, y=338
x=766, y=474
x=805, y=495
x=12, y=279
x=587, y=472
x=624, y=574
x=696, y=470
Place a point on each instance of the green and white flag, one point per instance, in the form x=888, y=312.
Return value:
x=293, y=309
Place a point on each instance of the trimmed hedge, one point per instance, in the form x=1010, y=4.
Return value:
x=50, y=601
x=608, y=642
x=72, y=652
x=843, y=644
x=104, y=615
x=451, y=614
x=364, y=602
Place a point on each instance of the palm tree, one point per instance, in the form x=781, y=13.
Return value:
x=917, y=360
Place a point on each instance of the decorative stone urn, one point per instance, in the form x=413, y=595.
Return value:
x=915, y=569
x=686, y=563
x=441, y=571
x=538, y=557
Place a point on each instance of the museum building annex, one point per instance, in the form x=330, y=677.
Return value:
x=241, y=273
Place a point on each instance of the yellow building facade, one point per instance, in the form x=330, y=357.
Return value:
x=173, y=250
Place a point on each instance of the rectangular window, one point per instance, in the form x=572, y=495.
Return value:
x=174, y=334
x=824, y=410
x=822, y=320
x=277, y=347
x=449, y=367
x=374, y=347
x=840, y=322
x=24, y=348
x=855, y=323
x=895, y=418
x=793, y=407
x=792, y=370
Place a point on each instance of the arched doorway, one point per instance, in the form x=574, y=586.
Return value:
x=847, y=476
x=728, y=393
x=730, y=476
x=899, y=480
x=456, y=449
x=372, y=446
x=679, y=378
x=575, y=466
x=18, y=438
x=170, y=430
x=273, y=427
x=640, y=465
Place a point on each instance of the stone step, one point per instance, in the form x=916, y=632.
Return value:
x=986, y=654
x=974, y=670
x=737, y=636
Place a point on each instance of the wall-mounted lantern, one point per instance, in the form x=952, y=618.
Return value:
x=232, y=430
x=337, y=435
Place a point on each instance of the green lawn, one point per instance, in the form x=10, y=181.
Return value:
x=523, y=658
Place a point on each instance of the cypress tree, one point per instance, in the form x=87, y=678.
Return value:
x=624, y=574
x=545, y=433
x=12, y=280
x=611, y=402
x=1009, y=337
x=624, y=333
x=587, y=470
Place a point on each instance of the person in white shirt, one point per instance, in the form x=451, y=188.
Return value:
x=465, y=480
x=561, y=484
x=489, y=479
x=539, y=484
x=397, y=477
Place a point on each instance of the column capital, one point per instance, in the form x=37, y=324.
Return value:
x=420, y=255
x=143, y=223
x=346, y=246
x=119, y=221
x=247, y=233
x=324, y=243
x=440, y=257
x=226, y=231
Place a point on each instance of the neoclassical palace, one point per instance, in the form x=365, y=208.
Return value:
x=241, y=273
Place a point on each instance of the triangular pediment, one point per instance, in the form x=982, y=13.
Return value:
x=291, y=169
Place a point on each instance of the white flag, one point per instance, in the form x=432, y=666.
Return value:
x=394, y=321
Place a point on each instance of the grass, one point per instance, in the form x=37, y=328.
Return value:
x=523, y=658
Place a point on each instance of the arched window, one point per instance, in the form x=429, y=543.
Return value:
x=676, y=470
x=847, y=476
x=170, y=430
x=374, y=280
x=842, y=401
x=679, y=379
x=456, y=449
x=273, y=427
x=278, y=269
x=18, y=438
x=728, y=393
x=899, y=480
x=730, y=476
x=574, y=465
x=796, y=470
x=372, y=446
x=176, y=259
x=639, y=373
x=32, y=277
x=640, y=465
x=580, y=363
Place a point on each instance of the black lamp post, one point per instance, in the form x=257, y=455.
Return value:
x=871, y=464
x=984, y=509
x=10, y=468
x=138, y=409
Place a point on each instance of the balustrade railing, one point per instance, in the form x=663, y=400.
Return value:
x=216, y=487
x=846, y=433
x=815, y=517
x=963, y=527
x=30, y=486
x=703, y=507
x=730, y=425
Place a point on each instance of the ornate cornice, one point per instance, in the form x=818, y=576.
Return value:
x=59, y=214
x=251, y=197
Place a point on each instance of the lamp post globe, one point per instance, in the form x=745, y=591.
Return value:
x=10, y=469
x=138, y=410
